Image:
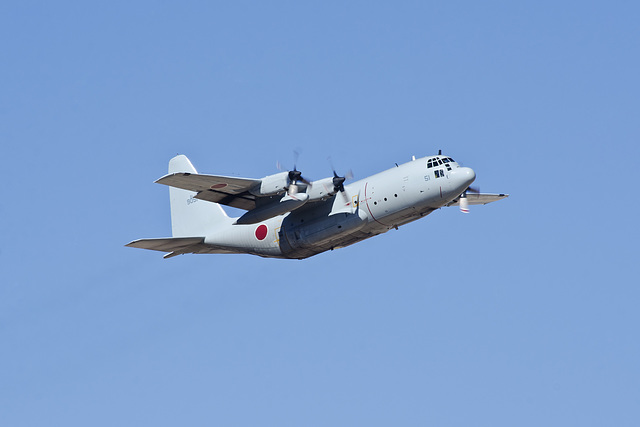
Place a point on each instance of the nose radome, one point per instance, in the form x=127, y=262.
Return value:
x=467, y=175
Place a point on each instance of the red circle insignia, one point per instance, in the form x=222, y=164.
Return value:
x=261, y=232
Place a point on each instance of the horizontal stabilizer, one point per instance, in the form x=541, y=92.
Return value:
x=167, y=244
x=479, y=199
x=180, y=245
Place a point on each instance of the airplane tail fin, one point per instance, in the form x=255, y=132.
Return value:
x=191, y=216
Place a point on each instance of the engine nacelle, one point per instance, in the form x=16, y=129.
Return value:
x=321, y=189
x=272, y=184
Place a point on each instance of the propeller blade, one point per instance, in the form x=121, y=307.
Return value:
x=295, y=175
x=306, y=181
x=345, y=196
x=464, y=203
x=338, y=182
x=473, y=190
x=349, y=174
x=296, y=156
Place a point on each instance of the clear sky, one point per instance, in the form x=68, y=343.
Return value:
x=524, y=312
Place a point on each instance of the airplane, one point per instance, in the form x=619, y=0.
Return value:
x=288, y=216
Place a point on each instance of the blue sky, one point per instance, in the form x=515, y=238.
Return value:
x=524, y=312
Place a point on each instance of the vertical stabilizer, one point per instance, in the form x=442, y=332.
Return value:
x=191, y=216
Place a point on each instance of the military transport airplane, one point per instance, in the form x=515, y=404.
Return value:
x=289, y=216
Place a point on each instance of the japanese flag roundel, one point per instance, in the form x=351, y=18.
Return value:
x=261, y=232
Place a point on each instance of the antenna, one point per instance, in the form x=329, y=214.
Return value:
x=439, y=152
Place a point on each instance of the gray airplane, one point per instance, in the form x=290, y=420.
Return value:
x=289, y=216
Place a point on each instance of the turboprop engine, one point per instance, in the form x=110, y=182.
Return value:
x=274, y=185
x=298, y=189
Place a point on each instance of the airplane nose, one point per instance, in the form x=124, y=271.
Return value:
x=466, y=175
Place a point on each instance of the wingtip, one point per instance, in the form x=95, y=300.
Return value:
x=172, y=254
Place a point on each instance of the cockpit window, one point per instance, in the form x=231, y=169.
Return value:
x=435, y=161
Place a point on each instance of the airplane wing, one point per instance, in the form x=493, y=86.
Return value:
x=479, y=199
x=177, y=246
x=226, y=190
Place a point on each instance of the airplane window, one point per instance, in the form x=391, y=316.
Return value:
x=451, y=160
x=439, y=161
x=445, y=160
x=429, y=164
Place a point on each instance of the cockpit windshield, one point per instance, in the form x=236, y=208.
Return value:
x=438, y=161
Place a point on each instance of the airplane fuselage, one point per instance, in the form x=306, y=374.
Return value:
x=367, y=208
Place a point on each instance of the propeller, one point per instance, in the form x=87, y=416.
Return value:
x=464, y=202
x=295, y=175
x=473, y=190
x=338, y=181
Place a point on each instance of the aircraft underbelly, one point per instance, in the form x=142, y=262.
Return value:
x=303, y=239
